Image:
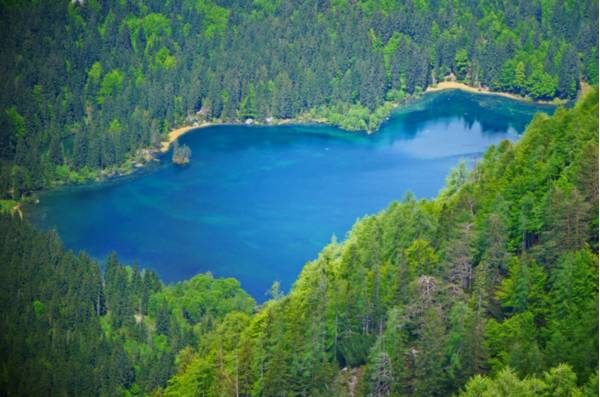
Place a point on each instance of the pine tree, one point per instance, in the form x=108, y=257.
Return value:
x=461, y=64
x=381, y=377
x=567, y=222
x=55, y=152
x=163, y=321
x=572, y=324
x=568, y=73
x=430, y=375
x=459, y=257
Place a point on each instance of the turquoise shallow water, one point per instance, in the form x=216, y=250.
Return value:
x=256, y=203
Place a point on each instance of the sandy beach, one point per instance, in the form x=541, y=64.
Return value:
x=175, y=134
x=178, y=132
x=444, y=85
x=453, y=85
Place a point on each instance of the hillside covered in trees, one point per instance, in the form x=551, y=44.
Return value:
x=490, y=289
x=87, y=84
x=67, y=328
x=498, y=275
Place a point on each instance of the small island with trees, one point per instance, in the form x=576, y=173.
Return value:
x=181, y=154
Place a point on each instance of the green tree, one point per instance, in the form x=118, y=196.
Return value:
x=111, y=85
x=429, y=358
x=572, y=324
x=462, y=64
x=568, y=74
x=381, y=378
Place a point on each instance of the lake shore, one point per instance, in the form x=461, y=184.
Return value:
x=454, y=85
x=145, y=156
x=275, y=167
x=173, y=135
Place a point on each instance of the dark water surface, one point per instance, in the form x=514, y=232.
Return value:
x=256, y=203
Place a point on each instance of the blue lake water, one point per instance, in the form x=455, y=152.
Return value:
x=256, y=203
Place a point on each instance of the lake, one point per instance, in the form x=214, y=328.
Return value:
x=257, y=203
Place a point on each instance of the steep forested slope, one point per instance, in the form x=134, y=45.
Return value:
x=66, y=329
x=500, y=271
x=497, y=276
x=86, y=84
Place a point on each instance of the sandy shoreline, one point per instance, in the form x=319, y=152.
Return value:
x=178, y=132
x=444, y=85
x=175, y=134
x=453, y=85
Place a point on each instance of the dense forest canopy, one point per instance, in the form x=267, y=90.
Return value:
x=497, y=275
x=491, y=289
x=86, y=84
x=67, y=328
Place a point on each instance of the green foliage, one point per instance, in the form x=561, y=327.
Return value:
x=421, y=259
x=150, y=28
x=462, y=64
x=95, y=73
x=513, y=342
x=269, y=6
x=407, y=313
x=354, y=117
x=389, y=49
x=558, y=381
x=111, y=85
x=370, y=7
x=154, y=66
x=77, y=319
x=540, y=84
x=524, y=288
x=165, y=59
x=8, y=206
x=570, y=330
x=181, y=154
x=499, y=271
x=203, y=300
x=17, y=122
x=216, y=17
x=38, y=307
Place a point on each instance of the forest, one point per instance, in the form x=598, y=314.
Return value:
x=89, y=86
x=491, y=289
x=69, y=327
x=492, y=285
